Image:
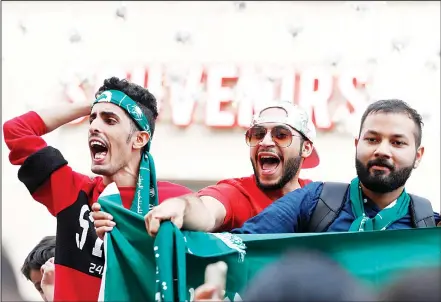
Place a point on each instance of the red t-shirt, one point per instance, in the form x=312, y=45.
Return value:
x=68, y=195
x=242, y=199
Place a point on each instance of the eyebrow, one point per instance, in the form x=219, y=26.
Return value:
x=277, y=125
x=106, y=113
x=373, y=132
x=109, y=113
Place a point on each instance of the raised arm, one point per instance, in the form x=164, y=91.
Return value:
x=22, y=134
x=43, y=169
x=56, y=116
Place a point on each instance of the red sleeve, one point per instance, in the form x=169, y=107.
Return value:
x=237, y=205
x=168, y=190
x=23, y=136
x=44, y=171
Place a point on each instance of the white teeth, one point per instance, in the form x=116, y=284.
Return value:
x=100, y=155
x=94, y=143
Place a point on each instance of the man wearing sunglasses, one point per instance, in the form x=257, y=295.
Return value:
x=388, y=149
x=281, y=143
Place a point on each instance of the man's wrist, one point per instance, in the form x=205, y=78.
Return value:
x=82, y=108
x=186, y=200
x=196, y=216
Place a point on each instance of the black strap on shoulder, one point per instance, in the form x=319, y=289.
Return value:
x=421, y=212
x=328, y=207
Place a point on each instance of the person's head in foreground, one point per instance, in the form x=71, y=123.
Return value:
x=308, y=276
x=415, y=285
x=389, y=145
x=9, y=287
x=281, y=140
x=37, y=258
x=116, y=141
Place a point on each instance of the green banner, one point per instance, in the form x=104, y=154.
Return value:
x=173, y=264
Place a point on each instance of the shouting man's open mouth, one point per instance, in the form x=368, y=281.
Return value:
x=268, y=162
x=98, y=149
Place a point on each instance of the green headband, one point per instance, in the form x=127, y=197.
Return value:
x=147, y=171
x=130, y=106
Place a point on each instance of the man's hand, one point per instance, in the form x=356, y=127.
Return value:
x=215, y=281
x=172, y=209
x=206, y=292
x=48, y=279
x=102, y=220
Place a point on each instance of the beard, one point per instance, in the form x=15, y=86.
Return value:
x=289, y=170
x=378, y=181
x=103, y=171
x=108, y=169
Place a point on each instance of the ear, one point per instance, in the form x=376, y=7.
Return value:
x=356, y=142
x=307, y=149
x=418, y=157
x=142, y=138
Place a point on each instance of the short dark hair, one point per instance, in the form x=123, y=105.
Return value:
x=414, y=285
x=41, y=253
x=306, y=275
x=395, y=106
x=142, y=96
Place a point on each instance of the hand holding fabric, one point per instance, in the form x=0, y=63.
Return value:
x=172, y=209
x=102, y=221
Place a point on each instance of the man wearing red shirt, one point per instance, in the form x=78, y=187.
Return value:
x=116, y=144
x=281, y=142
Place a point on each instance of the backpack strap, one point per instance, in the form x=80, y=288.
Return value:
x=421, y=212
x=328, y=207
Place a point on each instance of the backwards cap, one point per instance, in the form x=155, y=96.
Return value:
x=296, y=118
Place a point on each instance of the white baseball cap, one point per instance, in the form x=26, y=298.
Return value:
x=296, y=118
